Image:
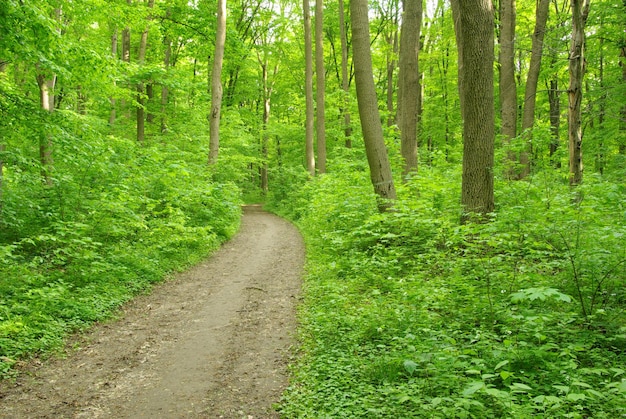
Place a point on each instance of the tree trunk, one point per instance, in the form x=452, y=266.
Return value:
x=126, y=57
x=320, y=73
x=555, y=116
x=308, y=88
x=392, y=52
x=347, y=128
x=216, y=83
x=476, y=23
x=530, y=95
x=164, y=89
x=508, y=88
x=378, y=160
x=580, y=11
x=456, y=17
x=409, y=83
x=141, y=103
x=46, y=82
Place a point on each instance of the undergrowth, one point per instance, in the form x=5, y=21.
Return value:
x=411, y=314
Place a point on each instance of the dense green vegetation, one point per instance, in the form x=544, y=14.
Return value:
x=409, y=314
x=105, y=189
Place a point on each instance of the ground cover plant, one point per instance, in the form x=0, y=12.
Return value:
x=411, y=314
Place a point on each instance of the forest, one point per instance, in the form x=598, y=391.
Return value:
x=457, y=169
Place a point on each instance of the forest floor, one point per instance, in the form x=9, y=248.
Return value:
x=212, y=342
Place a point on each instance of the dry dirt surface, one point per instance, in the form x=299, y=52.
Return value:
x=213, y=342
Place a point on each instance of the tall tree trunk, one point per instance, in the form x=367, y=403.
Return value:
x=320, y=125
x=46, y=82
x=555, y=117
x=345, y=85
x=216, y=83
x=476, y=23
x=112, y=114
x=580, y=11
x=141, y=103
x=458, y=33
x=392, y=53
x=378, y=160
x=508, y=88
x=167, y=42
x=126, y=57
x=308, y=88
x=409, y=83
x=532, y=79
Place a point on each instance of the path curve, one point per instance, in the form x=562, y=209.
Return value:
x=213, y=342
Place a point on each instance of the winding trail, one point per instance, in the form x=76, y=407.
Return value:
x=213, y=342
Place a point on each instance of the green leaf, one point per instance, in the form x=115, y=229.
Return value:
x=473, y=388
x=410, y=366
x=520, y=388
x=500, y=365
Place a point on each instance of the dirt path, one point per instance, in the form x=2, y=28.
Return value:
x=211, y=343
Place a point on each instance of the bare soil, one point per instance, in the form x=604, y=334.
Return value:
x=213, y=342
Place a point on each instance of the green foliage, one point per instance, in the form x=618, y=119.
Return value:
x=409, y=314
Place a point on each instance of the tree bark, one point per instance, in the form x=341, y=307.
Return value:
x=216, y=83
x=476, y=23
x=141, y=104
x=46, y=82
x=378, y=160
x=409, y=83
x=392, y=52
x=580, y=11
x=320, y=125
x=164, y=89
x=532, y=79
x=308, y=88
x=508, y=88
x=345, y=85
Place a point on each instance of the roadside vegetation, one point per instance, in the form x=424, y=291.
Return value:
x=411, y=314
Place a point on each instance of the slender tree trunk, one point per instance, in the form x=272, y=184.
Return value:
x=164, y=89
x=378, y=160
x=476, y=23
x=392, y=53
x=112, y=114
x=508, y=88
x=46, y=82
x=345, y=86
x=409, y=83
x=530, y=95
x=141, y=102
x=555, y=116
x=216, y=83
x=580, y=11
x=458, y=33
x=149, y=99
x=308, y=88
x=126, y=57
x=320, y=126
